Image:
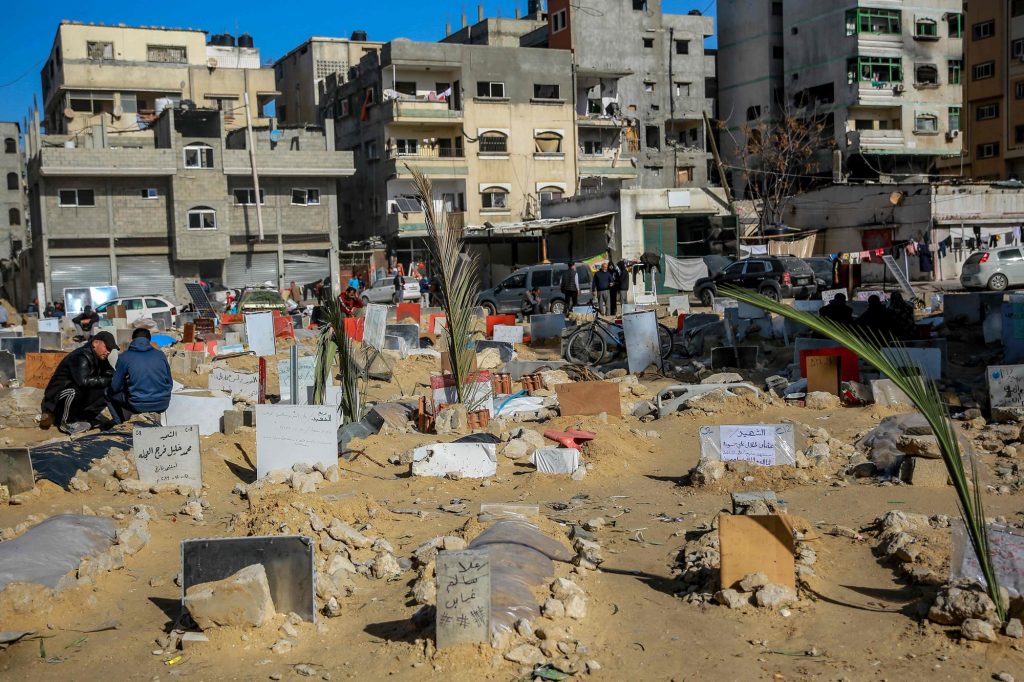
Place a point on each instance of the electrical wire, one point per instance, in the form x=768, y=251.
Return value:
x=26, y=72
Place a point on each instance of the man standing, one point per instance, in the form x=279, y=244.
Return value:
x=142, y=380
x=603, y=286
x=616, y=274
x=570, y=287
x=76, y=393
x=399, y=283
x=86, y=320
x=296, y=291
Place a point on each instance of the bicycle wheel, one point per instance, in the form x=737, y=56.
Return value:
x=667, y=341
x=586, y=347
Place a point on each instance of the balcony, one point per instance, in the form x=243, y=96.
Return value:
x=437, y=163
x=606, y=165
x=598, y=121
x=420, y=111
x=874, y=141
x=415, y=224
x=82, y=161
x=290, y=163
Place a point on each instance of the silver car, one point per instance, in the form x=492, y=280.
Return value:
x=993, y=269
x=383, y=291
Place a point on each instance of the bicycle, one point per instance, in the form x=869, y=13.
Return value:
x=589, y=343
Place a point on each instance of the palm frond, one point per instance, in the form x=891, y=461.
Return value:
x=333, y=349
x=895, y=363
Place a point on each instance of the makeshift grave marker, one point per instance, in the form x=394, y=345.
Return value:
x=203, y=408
x=1006, y=385
x=376, y=325
x=885, y=392
x=245, y=385
x=402, y=337
x=504, y=333
x=50, y=341
x=8, y=368
x=259, y=331
x=828, y=296
x=643, y=345
x=295, y=434
x=479, y=391
x=756, y=544
x=928, y=360
x=408, y=311
x=506, y=351
x=20, y=346
x=16, y=470
x=49, y=324
x=588, y=398
x=287, y=559
x=849, y=362
x=762, y=444
x=1007, y=548
x=472, y=460
x=547, y=326
x=720, y=304
x=306, y=371
x=39, y=368
x=463, y=597
x=556, y=460
x=678, y=304
x=168, y=454
x=823, y=374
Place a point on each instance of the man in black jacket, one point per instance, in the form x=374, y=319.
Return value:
x=76, y=393
x=570, y=287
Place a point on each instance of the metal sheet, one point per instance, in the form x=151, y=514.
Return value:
x=141, y=275
x=643, y=347
x=303, y=268
x=287, y=559
x=73, y=273
x=20, y=345
x=250, y=269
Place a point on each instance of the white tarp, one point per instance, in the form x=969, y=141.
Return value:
x=682, y=273
x=472, y=460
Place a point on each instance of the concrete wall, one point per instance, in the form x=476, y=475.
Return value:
x=300, y=75
x=12, y=225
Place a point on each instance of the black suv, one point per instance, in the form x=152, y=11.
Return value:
x=776, y=277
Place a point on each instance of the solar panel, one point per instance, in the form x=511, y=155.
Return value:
x=199, y=298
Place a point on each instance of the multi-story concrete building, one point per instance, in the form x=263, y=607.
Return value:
x=492, y=127
x=302, y=73
x=149, y=213
x=12, y=192
x=884, y=78
x=640, y=79
x=123, y=76
x=994, y=89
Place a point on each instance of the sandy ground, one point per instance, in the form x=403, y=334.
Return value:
x=860, y=624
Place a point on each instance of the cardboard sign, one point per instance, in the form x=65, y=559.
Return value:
x=259, y=331
x=306, y=378
x=168, y=454
x=588, y=398
x=39, y=368
x=295, y=434
x=1006, y=385
x=823, y=374
x=463, y=597
x=756, y=544
x=245, y=385
x=16, y=470
x=849, y=362
x=375, y=326
x=504, y=333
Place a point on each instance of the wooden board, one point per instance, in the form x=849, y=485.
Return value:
x=823, y=374
x=588, y=398
x=756, y=544
x=39, y=368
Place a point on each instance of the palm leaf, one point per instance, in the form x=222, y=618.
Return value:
x=333, y=349
x=896, y=364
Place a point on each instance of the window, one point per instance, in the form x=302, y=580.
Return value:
x=372, y=153
x=652, y=136
x=1018, y=137
x=956, y=24
x=777, y=52
x=493, y=143
x=490, y=89
x=593, y=147
x=542, y=91
x=776, y=9
x=14, y=217
x=306, y=197
x=983, y=71
x=97, y=51
x=548, y=143
x=1010, y=255
x=514, y=281
x=148, y=193
x=954, y=118
x=926, y=74
x=926, y=123
x=648, y=86
x=202, y=218
x=247, y=197
x=986, y=112
x=988, y=150
x=875, y=70
x=76, y=197
x=648, y=43
x=640, y=5
x=406, y=88
x=756, y=267
x=13, y=181
x=155, y=303
x=683, y=89
x=1019, y=89
x=198, y=155
x=549, y=194
x=407, y=147
x=682, y=47
x=166, y=54
x=956, y=67
x=10, y=146
x=1017, y=48
x=446, y=150
x=558, y=21
x=868, y=20
x=927, y=29
x=985, y=29
x=494, y=198
x=541, y=278
x=1017, y=8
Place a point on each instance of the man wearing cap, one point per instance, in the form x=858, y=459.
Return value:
x=142, y=379
x=76, y=393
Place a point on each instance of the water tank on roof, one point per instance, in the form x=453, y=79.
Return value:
x=359, y=36
x=245, y=40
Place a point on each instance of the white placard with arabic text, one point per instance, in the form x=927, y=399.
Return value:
x=295, y=434
x=761, y=444
x=168, y=454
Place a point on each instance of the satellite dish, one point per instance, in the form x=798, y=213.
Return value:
x=211, y=63
x=69, y=112
x=118, y=111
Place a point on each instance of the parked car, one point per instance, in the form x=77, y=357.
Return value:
x=383, y=290
x=139, y=307
x=776, y=277
x=823, y=272
x=507, y=297
x=260, y=300
x=993, y=269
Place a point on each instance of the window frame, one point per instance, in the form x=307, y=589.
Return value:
x=103, y=58
x=548, y=136
x=13, y=217
x=983, y=30
x=859, y=20
x=986, y=112
x=205, y=156
x=954, y=114
x=78, y=201
x=10, y=145
x=933, y=120
x=490, y=87
x=493, y=135
x=550, y=190
x=200, y=212
x=991, y=66
x=1017, y=48
x=403, y=148
x=861, y=63
x=490, y=193
x=149, y=54
x=559, y=21
x=307, y=196
x=149, y=193
x=918, y=82
x=995, y=150
x=926, y=21
x=955, y=23
x=250, y=195
x=954, y=71
x=538, y=90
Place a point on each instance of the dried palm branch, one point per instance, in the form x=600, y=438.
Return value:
x=334, y=348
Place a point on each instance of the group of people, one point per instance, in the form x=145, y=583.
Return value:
x=95, y=377
x=895, y=320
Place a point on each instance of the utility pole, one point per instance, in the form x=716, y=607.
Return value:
x=252, y=161
x=721, y=176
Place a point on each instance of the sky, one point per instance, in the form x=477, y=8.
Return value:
x=30, y=27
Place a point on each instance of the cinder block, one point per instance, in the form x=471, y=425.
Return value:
x=925, y=472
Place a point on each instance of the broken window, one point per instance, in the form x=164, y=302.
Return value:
x=875, y=70
x=98, y=51
x=926, y=74
x=652, y=135
x=246, y=197
x=14, y=217
x=548, y=143
x=447, y=150
x=956, y=68
x=682, y=47
x=954, y=118
x=926, y=28
x=406, y=88
x=494, y=198
x=683, y=89
x=407, y=147
x=490, y=89
x=493, y=142
x=778, y=52
x=593, y=147
x=166, y=54
x=202, y=218
x=926, y=123
x=198, y=155
x=648, y=86
x=10, y=146
x=13, y=181
x=306, y=197
x=640, y=5
x=76, y=197
x=544, y=91
x=956, y=24
x=871, y=20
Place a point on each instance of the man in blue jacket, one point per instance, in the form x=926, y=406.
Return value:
x=142, y=380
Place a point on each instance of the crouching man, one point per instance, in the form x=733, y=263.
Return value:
x=142, y=380
x=76, y=393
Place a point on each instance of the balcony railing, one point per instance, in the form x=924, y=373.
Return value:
x=424, y=152
x=414, y=110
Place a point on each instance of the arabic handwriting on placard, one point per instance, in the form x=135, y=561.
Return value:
x=463, y=599
x=748, y=443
